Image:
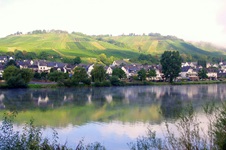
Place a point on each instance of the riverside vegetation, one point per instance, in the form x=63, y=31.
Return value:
x=191, y=135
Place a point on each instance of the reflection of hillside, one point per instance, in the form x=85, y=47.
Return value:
x=79, y=105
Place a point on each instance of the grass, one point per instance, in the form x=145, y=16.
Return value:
x=78, y=44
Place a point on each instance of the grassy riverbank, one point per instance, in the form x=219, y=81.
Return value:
x=135, y=83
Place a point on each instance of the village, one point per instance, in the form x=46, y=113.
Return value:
x=189, y=70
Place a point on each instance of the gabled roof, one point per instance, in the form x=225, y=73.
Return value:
x=42, y=63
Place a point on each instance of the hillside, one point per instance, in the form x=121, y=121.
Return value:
x=84, y=46
x=156, y=45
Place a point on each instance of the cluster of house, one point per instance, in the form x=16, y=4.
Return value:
x=189, y=70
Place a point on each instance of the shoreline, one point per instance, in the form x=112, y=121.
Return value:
x=145, y=83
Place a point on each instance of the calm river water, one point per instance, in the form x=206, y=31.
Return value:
x=113, y=116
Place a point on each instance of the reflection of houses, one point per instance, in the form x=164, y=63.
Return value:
x=43, y=101
x=109, y=98
x=1, y=101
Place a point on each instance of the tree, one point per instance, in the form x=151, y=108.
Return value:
x=17, y=78
x=98, y=73
x=171, y=64
x=43, y=55
x=80, y=74
x=11, y=63
x=56, y=76
x=19, y=55
x=142, y=74
x=77, y=60
x=202, y=73
x=202, y=63
x=151, y=73
x=119, y=73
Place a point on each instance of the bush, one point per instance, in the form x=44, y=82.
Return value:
x=115, y=81
x=190, y=134
x=87, y=81
x=69, y=82
x=102, y=84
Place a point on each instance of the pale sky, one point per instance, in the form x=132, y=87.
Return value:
x=193, y=20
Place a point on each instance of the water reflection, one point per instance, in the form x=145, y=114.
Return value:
x=113, y=115
x=113, y=103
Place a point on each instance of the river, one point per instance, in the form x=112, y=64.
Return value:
x=113, y=116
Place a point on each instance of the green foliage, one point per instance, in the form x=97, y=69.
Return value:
x=202, y=63
x=147, y=59
x=56, y=76
x=202, y=73
x=171, y=64
x=43, y=55
x=102, y=84
x=190, y=134
x=104, y=60
x=80, y=75
x=119, y=73
x=98, y=74
x=151, y=73
x=19, y=55
x=142, y=74
x=17, y=77
x=31, y=138
x=220, y=128
x=77, y=60
x=115, y=81
x=11, y=63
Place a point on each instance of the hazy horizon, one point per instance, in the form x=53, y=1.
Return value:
x=191, y=20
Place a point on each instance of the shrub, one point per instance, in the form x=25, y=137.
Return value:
x=115, y=81
x=190, y=134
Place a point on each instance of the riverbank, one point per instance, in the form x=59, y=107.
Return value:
x=137, y=83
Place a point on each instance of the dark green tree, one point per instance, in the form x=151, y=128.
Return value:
x=202, y=63
x=77, y=60
x=142, y=74
x=119, y=73
x=31, y=55
x=115, y=81
x=19, y=55
x=202, y=73
x=171, y=64
x=151, y=73
x=80, y=74
x=43, y=55
x=98, y=73
x=26, y=75
x=56, y=76
x=11, y=63
x=17, y=77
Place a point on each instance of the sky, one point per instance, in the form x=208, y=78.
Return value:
x=191, y=20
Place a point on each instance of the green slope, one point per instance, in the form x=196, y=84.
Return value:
x=67, y=45
x=78, y=44
x=158, y=44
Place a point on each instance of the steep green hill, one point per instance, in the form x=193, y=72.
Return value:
x=78, y=44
